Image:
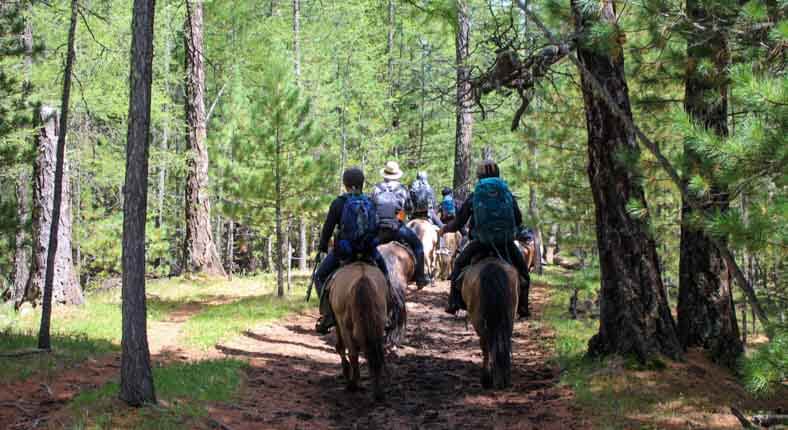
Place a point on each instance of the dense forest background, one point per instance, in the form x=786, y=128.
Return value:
x=296, y=91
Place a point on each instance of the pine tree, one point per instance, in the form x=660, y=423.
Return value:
x=277, y=160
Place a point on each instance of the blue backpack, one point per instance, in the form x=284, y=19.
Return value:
x=448, y=206
x=358, y=226
x=493, y=212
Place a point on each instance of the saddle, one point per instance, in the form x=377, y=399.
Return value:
x=405, y=247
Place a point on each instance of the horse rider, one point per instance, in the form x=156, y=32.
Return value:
x=352, y=242
x=493, y=235
x=447, y=209
x=423, y=198
x=392, y=200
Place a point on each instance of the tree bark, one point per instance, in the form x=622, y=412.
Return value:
x=635, y=319
x=136, y=378
x=200, y=255
x=65, y=287
x=302, y=240
x=464, y=123
x=706, y=316
x=533, y=208
x=230, y=263
x=297, y=41
x=280, y=282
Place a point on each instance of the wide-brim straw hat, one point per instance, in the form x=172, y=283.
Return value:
x=391, y=171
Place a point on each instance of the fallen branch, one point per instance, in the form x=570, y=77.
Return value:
x=24, y=352
x=770, y=420
x=742, y=419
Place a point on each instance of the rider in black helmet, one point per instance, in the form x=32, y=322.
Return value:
x=353, y=179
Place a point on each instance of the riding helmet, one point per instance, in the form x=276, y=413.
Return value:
x=487, y=169
x=353, y=178
x=446, y=191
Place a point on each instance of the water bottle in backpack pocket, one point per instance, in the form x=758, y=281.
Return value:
x=493, y=212
x=358, y=226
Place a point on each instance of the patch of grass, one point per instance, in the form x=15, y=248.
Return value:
x=182, y=390
x=223, y=321
x=67, y=349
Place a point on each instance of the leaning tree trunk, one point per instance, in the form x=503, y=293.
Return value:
x=65, y=286
x=533, y=208
x=464, y=125
x=635, y=319
x=200, y=255
x=706, y=316
x=136, y=379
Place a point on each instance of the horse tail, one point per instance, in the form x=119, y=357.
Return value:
x=496, y=312
x=397, y=311
x=369, y=326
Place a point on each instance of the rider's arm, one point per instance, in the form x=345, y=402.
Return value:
x=332, y=219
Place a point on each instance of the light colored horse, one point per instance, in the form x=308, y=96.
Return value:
x=446, y=254
x=529, y=254
x=358, y=295
x=428, y=235
x=490, y=289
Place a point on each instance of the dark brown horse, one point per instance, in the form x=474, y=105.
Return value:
x=358, y=296
x=490, y=289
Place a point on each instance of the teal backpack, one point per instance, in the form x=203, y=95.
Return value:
x=493, y=212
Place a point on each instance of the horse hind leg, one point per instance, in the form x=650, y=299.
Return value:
x=340, y=347
x=486, y=375
x=352, y=384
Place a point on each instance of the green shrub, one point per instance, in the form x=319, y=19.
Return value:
x=766, y=367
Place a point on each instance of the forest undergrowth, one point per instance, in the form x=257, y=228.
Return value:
x=621, y=393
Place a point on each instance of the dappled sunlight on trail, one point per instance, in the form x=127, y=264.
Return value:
x=294, y=380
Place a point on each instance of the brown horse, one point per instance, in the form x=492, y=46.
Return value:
x=490, y=290
x=428, y=235
x=446, y=254
x=358, y=296
x=529, y=254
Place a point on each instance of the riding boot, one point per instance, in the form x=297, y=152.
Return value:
x=455, y=296
x=422, y=279
x=525, y=280
x=326, y=320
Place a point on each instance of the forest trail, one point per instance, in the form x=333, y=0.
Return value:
x=294, y=377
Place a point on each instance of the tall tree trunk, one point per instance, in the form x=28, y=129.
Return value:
x=390, y=46
x=22, y=244
x=302, y=240
x=280, y=281
x=60, y=187
x=464, y=125
x=230, y=262
x=200, y=255
x=136, y=379
x=533, y=208
x=297, y=41
x=635, y=319
x=706, y=316
x=65, y=285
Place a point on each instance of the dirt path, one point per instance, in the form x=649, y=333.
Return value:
x=37, y=401
x=294, y=382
